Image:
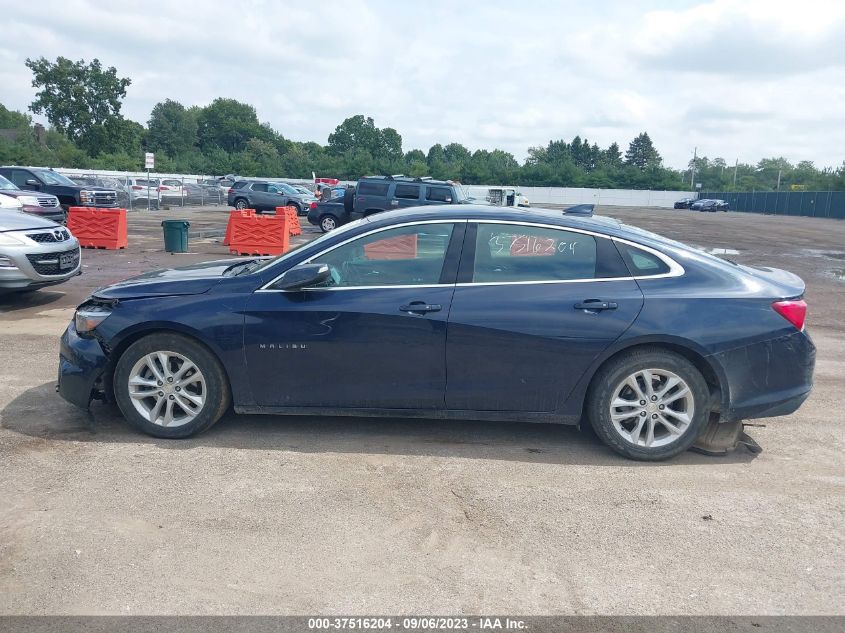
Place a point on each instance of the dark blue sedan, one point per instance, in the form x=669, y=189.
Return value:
x=454, y=313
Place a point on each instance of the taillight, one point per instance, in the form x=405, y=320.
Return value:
x=793, y=311
x=137, y=187
x=313, y=205
x=164, y=188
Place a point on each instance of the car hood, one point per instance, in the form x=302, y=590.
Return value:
x=184, y=280
x=12, y=220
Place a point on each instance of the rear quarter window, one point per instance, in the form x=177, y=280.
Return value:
x=641, y=263
x=372, y=188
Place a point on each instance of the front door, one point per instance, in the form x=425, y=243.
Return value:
x=533, y=308
x=372, y=337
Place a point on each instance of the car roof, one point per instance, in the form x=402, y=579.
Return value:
x=596, y=223
x=410, y=179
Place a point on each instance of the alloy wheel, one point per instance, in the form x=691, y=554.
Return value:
x=167, y=388
x=328, y=224
x=652, y=408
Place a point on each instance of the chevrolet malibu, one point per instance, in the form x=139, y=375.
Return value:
x=454, y=313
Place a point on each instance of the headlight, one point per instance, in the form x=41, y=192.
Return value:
x=8, y=202
x=10, y=240
x=86, y=197
x=89, y=316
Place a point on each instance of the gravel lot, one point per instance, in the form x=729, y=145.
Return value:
x=349, y=516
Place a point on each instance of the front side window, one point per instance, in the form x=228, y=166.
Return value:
x=19, y=177
x=404, y=256
x=510, y=252
x=438, y=194
x=407, y=192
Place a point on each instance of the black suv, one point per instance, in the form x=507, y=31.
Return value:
x=69, y=193
x=374, y=194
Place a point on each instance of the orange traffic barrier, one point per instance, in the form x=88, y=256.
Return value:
x=239, y=213
x=399, y=247
x=98, y=228
x=259, y=234
x=293, y=219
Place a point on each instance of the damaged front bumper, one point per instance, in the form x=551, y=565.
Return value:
x=82, y=362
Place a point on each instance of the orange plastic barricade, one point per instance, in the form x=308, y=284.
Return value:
x=242, y=213
x=399, y=247
x=259, y=234
x=293, y=219
x=98, y=228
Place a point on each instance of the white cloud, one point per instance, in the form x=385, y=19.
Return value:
x=736, y=78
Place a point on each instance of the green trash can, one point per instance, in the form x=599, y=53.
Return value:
x=176, y=235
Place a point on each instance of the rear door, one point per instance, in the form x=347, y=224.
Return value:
x=533, y=307
x=259, y=196
x=405, y=195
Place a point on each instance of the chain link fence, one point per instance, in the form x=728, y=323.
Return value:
x=139, y=191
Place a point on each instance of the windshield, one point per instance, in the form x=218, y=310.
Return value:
x=283, y=186
x=7, y=184
x=460, y=193
x=53, y=178
x=302, y=189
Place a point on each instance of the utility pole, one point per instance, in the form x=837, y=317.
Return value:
x=736, y=166
x=779, y=173
x=692, y=175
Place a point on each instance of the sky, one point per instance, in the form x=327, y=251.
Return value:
x=740, y=79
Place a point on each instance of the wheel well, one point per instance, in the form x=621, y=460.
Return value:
x=700, y=363
x=115, y=353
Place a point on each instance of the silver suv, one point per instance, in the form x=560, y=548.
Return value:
x=35, y=252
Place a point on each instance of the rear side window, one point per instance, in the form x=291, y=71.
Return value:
x=259, y=186
x=407, y=192
x=372, y=188
x=438, y=194
x=507, y=253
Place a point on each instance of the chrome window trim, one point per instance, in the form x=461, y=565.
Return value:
x=675, y=269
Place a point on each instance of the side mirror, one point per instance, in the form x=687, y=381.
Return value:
x=303, y=276
x=32, y=182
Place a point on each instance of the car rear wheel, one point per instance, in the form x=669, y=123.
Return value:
x=328, y=223
x=170, y=386
x=240, y=204
x=649, y=405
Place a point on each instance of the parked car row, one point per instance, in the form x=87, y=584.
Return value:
x=263, y=195
x=705, y=204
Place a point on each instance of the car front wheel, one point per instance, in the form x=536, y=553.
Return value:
x=649, y=405
x=170, y=386
x=328, y=223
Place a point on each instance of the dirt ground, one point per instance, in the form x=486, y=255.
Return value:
x=285, y=515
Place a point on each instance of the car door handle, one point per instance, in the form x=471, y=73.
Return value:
x=596, y=305
x=420, y=307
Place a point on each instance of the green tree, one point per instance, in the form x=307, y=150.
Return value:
x=172, y=128
x=227, y=124
x=642, y=153
x=75, y=96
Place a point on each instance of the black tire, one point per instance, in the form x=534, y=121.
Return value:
x=241, y=203
x=296, y=207
x=611, y=376
x=217, y=394
x=328, y=223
